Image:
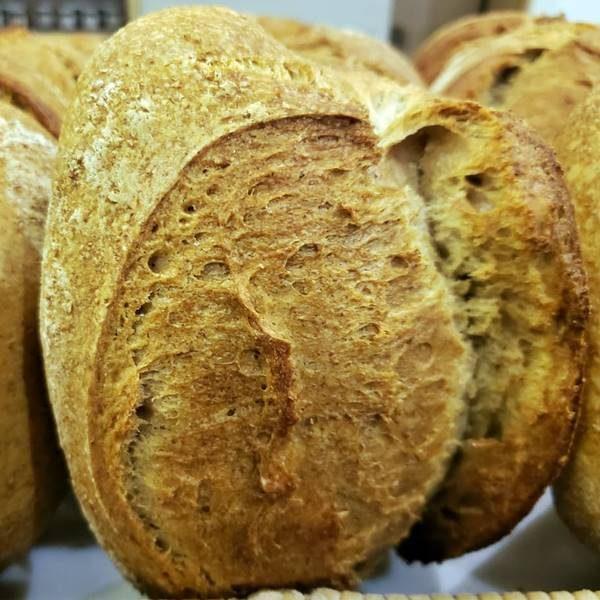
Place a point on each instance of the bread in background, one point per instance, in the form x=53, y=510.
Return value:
x=342, y=49
x=32, y=477
x=38, y=72
x=74, y=49
x=540, y=71
x=437, y=50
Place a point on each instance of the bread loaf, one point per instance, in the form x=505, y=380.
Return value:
x=435, y=52
x=540, y=72
x=280, y=429
x=349, y=51
x=31, y=471
x=38, y=72
x=34, y=79
x=578, y=490
x=73, y=49
x=261, y=328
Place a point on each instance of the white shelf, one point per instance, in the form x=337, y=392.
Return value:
x=540, y=554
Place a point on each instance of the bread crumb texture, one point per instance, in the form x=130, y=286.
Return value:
x=504, y=235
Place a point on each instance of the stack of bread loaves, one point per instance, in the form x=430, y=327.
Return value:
x=35, y=87
x=548, y=72
x=285, y=320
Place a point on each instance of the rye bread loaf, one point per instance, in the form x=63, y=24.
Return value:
x=435, y=52
x=233, y=317
x=342, y=49
x=540, y=71
x=31, y=471
x=578, y=490
x=259, y=341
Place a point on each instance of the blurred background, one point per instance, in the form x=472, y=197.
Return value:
x=404, y=22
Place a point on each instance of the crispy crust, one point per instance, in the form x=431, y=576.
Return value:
x=337, y=48
x=32, y=478
x=540, y=71
x=249, y=108
x=495, y=480
x=433, y=54
x=577, y=492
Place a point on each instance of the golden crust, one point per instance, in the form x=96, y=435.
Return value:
x=31, y=472
x=497, y=476
x=540, y=72
x=347, y=49
x=208, y=500
x=577, y=492
x=435, y=52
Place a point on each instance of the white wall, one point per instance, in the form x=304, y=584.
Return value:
x=371, y=16
x=576, y=10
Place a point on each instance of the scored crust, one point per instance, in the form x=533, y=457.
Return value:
x=32, y=478
x=435, y=52
x=577, y=492
x=506, y=240
x=350, y=50
x=541, y=72
x=252, y=357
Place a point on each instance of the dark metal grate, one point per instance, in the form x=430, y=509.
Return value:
x=66, y=15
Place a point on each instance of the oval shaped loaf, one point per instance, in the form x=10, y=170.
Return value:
x=578, y=490
x=31, y=471
x=262, y=321
x=348, y=50
x=251, y=355
x=435, y=52
x=540, y=72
